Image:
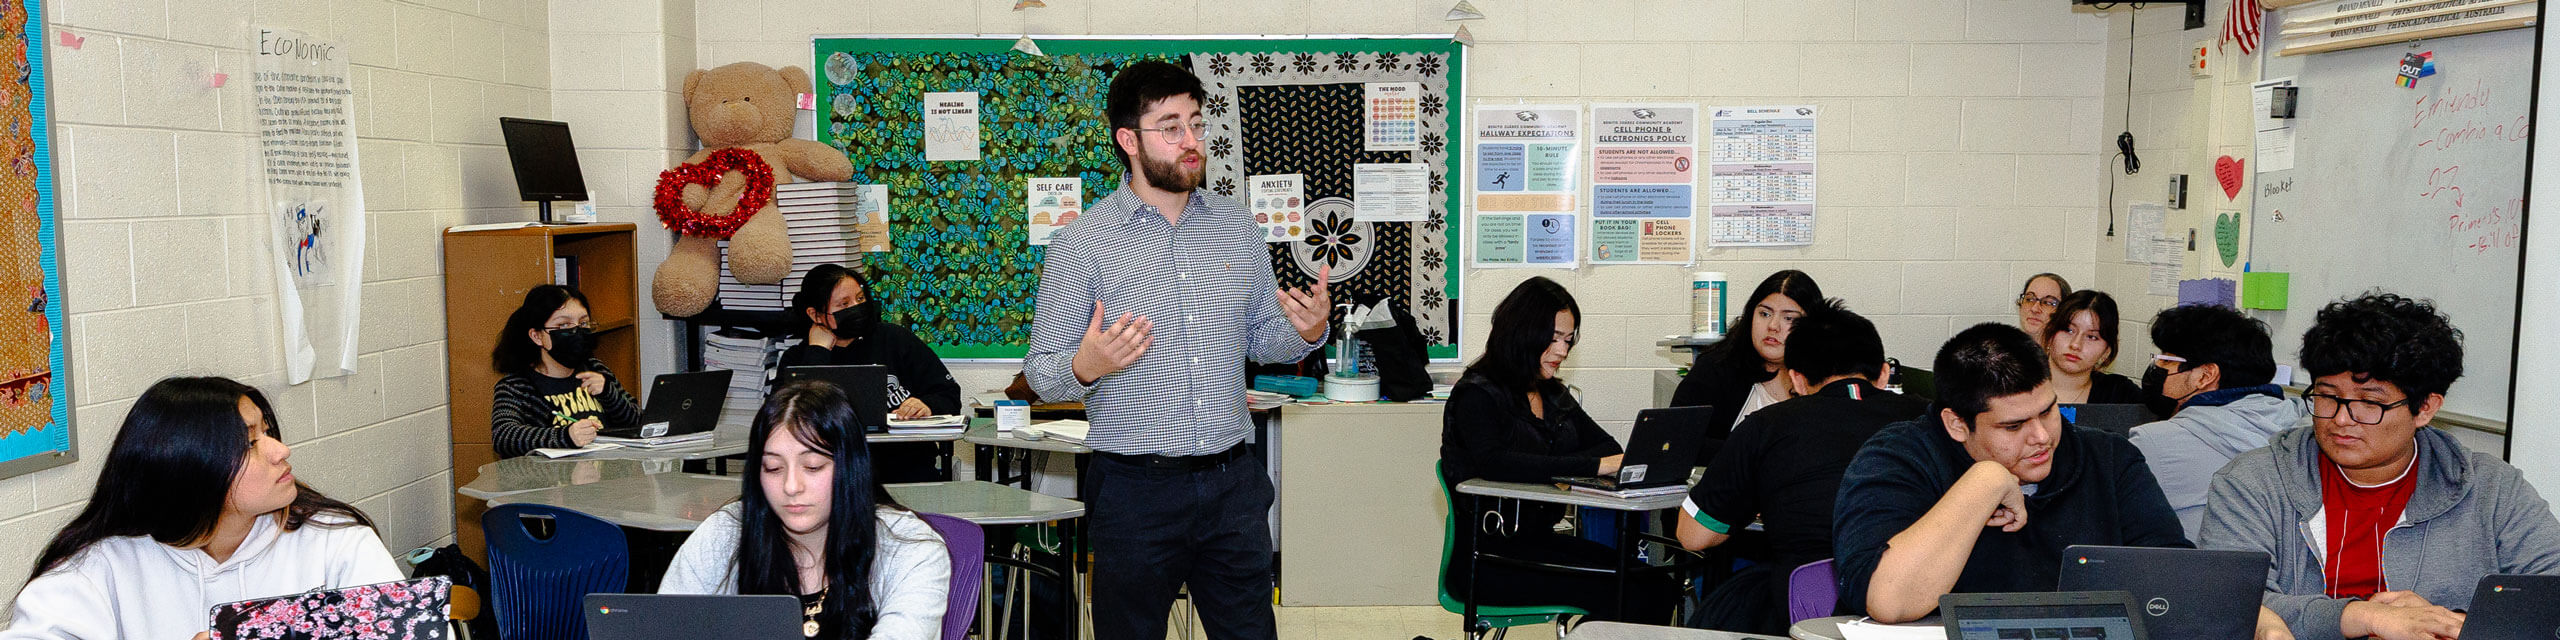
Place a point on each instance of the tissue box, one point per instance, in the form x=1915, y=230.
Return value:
x=1012, y=414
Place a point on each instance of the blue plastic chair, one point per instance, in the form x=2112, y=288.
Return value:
x=967, y=545
x=539, y=584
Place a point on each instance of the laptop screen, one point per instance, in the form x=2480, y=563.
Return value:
x=2045, y=622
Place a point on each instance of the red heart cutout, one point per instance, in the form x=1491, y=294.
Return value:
x=2228, y=170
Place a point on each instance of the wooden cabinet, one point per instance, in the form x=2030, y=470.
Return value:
x=486, y=276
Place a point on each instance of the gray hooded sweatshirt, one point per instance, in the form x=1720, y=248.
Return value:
x=2187, y=448
x=2472, y=515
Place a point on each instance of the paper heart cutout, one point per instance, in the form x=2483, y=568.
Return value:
x=2226, y=237
x=2228, y=171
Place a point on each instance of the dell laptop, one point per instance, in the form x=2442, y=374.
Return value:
x=679, y=404
x=2182, y=593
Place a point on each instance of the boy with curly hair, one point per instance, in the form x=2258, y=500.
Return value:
x=2375, y=524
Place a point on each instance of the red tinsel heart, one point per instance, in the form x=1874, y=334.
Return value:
x=685, y=220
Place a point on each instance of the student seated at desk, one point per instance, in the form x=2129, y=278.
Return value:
x=2214, y=382
x=2080, y=343
x=196, y=506
x=810, y=523
x=2037, y=299
x=1510, y=419
x=1739, y=374
x=555, y=393
x=2375, y=524
x=1984, y=492
x=1782, y=466
x=842, y=325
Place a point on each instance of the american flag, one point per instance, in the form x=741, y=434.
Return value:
x=2241, y=24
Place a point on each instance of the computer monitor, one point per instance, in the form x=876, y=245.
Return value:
x=546, y=161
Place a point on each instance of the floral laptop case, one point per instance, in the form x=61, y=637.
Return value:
x=404, y=610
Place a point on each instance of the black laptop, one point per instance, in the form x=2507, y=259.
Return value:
x=679, y=404
x=1660, y=450
x=2182, y=593
x=631, y=616
x=2065, y=615
x=2514, y=606
x=2119, y=419
x=867, y=385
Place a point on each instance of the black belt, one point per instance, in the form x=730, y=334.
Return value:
x=1177, y=463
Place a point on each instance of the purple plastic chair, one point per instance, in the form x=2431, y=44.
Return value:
x=967, y=545
x=1811, y=593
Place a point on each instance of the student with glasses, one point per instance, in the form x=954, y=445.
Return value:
x=2214, y=388
x=555, y=393
x=1510, y=418
x=2037, y=300
x=2377, y=525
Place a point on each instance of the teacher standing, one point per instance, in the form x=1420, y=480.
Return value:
x=1177, y=498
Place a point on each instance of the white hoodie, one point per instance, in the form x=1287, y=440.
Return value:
x=133, y=587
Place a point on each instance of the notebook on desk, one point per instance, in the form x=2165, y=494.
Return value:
x=406, y=610
x=1660, y=450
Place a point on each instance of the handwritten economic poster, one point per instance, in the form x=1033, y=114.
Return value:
x=314, y=198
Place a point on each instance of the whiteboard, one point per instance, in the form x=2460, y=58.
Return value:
x=2416, y=191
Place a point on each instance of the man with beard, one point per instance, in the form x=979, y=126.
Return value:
x=1177, y=498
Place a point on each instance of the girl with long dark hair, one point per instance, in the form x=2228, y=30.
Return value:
x=196, y=505
x=2080, y=343
x=837, y=313
x=811, y=523
x=1739, y=374
x=1511, y=419
x=555, y=393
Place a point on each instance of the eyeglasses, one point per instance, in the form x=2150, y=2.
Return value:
x=1172, y=133
x=588, y=325
x=2361, y=411
x=2047, y=302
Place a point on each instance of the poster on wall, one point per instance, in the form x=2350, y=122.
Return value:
x=1761, y=176
x=1051, y=203
x=1527, y=179
x=35, y=397
x=314, y=199
x=1644, y=183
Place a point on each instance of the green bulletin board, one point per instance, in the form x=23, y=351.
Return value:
x=960, y=271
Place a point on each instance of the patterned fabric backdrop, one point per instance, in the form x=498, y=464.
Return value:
x=959, y=272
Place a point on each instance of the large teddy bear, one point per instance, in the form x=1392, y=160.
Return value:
x=745, y=106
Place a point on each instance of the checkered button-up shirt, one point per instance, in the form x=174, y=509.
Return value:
x=1206, y=283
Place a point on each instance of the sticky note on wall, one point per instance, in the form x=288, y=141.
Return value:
x=2265, y=289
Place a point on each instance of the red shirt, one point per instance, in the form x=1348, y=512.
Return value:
x=2358, y=519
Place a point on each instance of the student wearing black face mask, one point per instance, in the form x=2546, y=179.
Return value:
x=843, y=327
x=555, y=393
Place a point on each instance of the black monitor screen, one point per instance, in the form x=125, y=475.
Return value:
x=546, y=162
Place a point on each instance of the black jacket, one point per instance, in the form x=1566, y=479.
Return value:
x=1487, y=432
x=1721, y=389
x=2099, y=492
x=914, y=370
x=2108, y=388
x=1784, y=462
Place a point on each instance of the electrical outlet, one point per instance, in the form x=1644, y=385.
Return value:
x=2178, y=191
x=2202, y=65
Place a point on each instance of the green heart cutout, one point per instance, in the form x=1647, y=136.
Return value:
x=2226, y=237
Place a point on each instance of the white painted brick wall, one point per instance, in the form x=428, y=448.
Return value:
x=165, y=254
x=1961, y=137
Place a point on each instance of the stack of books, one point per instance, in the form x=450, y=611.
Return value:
x=929, y=425
x=829, y=222
x=744, y=352
x=1254, y=399
x=660, y=442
